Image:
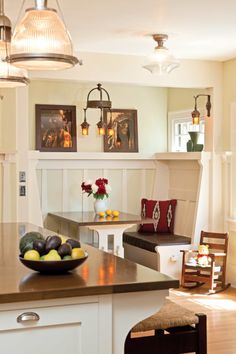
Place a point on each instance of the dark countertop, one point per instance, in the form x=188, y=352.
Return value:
x=88, y=218
x=102, y=273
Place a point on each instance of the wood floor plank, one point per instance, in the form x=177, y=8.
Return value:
x=220, y=309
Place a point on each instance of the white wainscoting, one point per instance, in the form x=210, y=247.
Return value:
x=132, y=176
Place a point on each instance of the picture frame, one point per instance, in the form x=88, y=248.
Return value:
x=125, y=126
x=55, y=128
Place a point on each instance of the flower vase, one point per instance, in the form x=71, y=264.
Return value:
x=100, y=205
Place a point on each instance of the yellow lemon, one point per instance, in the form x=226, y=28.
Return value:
x=115, y=213
x=115, y=218
x=77, y=253
x=109, y=218
x=63, y=238
x=101, y=213
x=108, y=212
x=32, y=255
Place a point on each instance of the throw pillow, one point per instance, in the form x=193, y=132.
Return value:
x=162, y=212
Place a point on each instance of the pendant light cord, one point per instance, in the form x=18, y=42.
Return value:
x=61, y=13
x=19, y=13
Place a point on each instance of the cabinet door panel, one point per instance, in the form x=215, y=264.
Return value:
x=60, y=330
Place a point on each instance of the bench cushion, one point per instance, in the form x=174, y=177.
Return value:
x=149, y=241
x=162, y=212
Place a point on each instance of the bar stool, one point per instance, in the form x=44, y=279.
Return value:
x=177, y=330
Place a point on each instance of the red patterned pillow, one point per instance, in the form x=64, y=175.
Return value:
x=162, y=212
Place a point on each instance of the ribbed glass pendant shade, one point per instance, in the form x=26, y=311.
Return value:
x=42, y=42
x=10, y=76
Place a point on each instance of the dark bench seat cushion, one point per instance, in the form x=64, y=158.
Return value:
x=149, y=241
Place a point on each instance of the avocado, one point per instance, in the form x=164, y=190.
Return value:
x=73, y=243
x=26, y=241
x=52, y=243
x=39, y=245
x=65, y=250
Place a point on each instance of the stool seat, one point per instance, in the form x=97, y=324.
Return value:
x=170, y=315
x=176, y=331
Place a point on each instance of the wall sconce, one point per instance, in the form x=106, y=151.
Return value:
x=196, y=113
x=99, y=104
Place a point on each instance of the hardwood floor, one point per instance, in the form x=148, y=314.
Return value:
x=220, y=309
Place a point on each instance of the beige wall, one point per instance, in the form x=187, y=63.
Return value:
x=8, y=119
x=180, y=99
x=150, y=102
x=229, y=96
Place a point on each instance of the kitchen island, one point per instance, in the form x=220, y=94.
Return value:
x=87, y=311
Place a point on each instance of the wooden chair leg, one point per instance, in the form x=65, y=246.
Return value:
x=202, y=334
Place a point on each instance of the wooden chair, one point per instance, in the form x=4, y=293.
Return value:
x=176, y=330
x=214, y=273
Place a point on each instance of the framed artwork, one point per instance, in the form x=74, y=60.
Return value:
x=125, y=127
x=55, y=128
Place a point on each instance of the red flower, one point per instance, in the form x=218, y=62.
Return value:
x=86, y=187
x=101, y=181
x=103, y=189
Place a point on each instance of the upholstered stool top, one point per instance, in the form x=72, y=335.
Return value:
x=170, y=315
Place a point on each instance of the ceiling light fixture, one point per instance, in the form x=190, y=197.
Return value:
x=10, y=76
x=161, y=61
x=100, y=104
x=196, y=113
x=41, y=40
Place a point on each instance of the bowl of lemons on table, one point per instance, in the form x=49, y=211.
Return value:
x=53, y=254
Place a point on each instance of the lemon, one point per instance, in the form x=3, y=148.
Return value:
x=32, y=255
x=115, y=213
x=109, y=218
x=108, y=212
x=101, y=213
x=77, y=253
x=63, y=238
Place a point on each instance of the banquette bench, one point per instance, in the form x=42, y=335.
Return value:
x=160, y=251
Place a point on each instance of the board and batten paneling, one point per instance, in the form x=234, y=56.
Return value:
x=130, y=176
x=181, y=176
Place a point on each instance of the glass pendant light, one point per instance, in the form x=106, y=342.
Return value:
x=85, y=125
x=110, y=129
x=41, y=41
x=161, y=61
x=101, y=126
x=10, y=76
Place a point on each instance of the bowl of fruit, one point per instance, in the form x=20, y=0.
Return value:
x=55, y=254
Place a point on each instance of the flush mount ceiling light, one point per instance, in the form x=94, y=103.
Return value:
x=100, y=104
x=10, y=76
x=196, y=113
x=161, y=61
x=41, y=40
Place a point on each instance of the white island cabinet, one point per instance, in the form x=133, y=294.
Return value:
x=88, y=311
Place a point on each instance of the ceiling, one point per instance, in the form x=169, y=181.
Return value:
x=203, y=29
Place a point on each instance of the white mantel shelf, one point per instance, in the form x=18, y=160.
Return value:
x=34, y=154
x=182, y=155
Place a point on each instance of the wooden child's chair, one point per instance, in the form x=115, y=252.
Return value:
x=213, y=271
